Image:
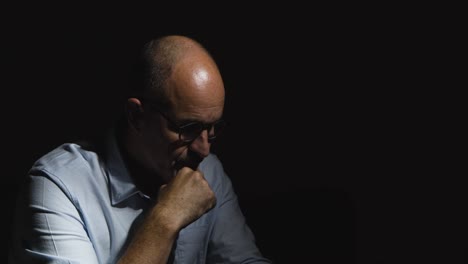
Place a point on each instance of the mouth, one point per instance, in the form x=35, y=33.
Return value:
x=192, y=161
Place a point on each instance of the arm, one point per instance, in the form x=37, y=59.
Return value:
x=48, y=227
x=153, y=241
x=183, y=200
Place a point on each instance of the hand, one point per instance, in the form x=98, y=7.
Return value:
x=185, y=198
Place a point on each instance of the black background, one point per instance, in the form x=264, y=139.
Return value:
x=331, y=136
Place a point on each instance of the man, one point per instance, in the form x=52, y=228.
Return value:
x=152, y=192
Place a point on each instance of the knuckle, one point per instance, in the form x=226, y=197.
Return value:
x=185, y=170
x=198, y=175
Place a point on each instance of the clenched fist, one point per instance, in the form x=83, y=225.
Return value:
x=185, y=198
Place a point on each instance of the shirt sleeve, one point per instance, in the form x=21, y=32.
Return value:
x=48, y=227
x=232, y=241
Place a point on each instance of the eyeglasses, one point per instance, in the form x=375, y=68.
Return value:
x=190, y=131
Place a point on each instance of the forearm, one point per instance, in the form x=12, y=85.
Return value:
x=153, y=241
x=182, y=201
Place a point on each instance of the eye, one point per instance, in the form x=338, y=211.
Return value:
x=190, y=131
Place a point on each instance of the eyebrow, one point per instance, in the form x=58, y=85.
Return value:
x=187, y=121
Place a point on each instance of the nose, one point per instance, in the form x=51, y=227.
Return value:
x=201, y=145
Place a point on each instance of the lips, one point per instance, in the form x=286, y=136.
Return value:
x=192, y=161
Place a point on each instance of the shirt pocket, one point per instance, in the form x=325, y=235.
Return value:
x=191, y=245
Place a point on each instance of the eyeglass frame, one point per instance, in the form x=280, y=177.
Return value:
x=179, y=128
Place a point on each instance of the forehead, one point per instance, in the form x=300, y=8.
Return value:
x=198, y=107
x=196, y=90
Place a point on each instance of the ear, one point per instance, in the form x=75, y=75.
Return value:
x=134, y=111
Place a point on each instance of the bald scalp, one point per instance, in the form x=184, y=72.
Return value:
x=158, y=59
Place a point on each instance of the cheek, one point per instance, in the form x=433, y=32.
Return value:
x=179, y=153
x=152, y=136
x=164, y=142
x=176, y=149
x=153, y=142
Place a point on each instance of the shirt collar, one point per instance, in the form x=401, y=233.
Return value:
x=120, y=181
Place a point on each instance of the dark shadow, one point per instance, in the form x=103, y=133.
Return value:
x=303, y=226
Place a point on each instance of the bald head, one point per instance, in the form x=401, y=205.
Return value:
x=180, y=63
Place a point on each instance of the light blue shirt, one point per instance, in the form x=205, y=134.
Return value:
x=79, y=207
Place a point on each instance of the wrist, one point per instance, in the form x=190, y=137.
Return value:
x=165, y=222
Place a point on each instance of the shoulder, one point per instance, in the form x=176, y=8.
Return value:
x=65, y=157
x=212, y=167
x=68, y=164
x=214, y=173
x=211, y=164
